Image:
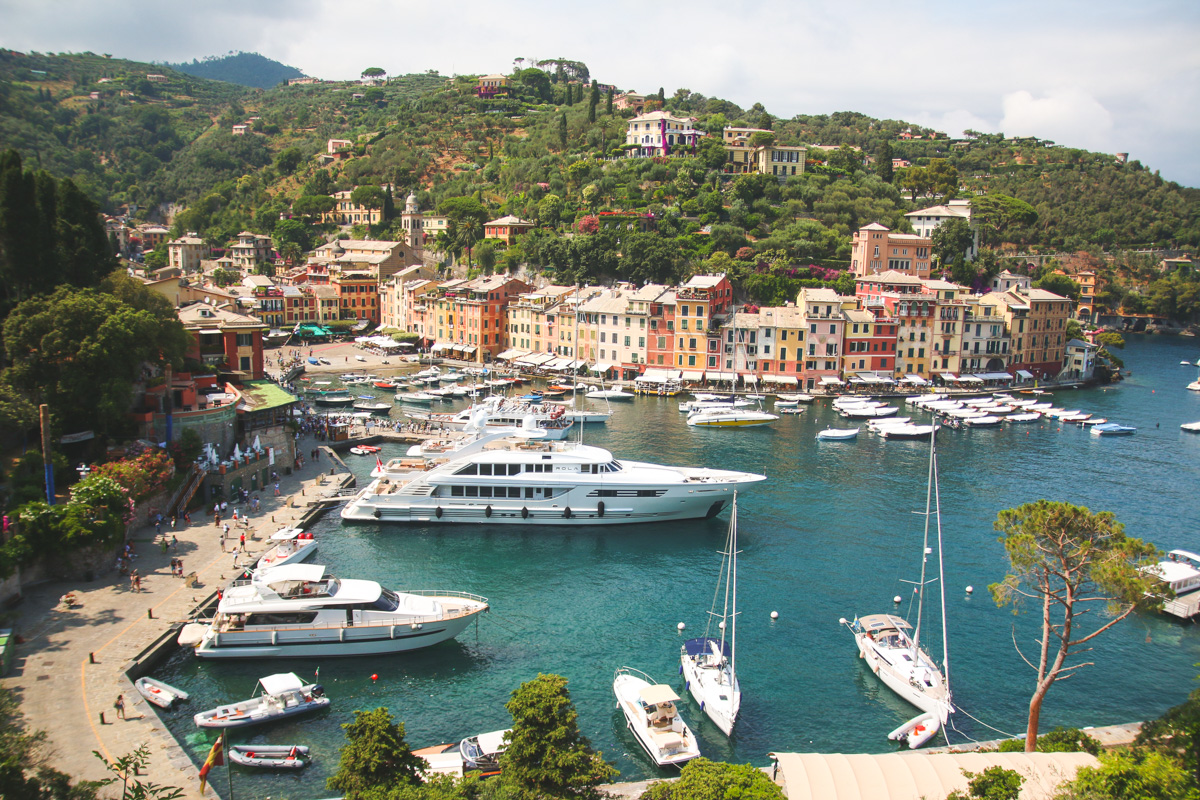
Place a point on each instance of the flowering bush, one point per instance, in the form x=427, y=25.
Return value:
x=142, y=475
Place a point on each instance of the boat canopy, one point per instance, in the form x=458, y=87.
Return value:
x=1186, y=554
x=280, y=683
x=876, y=622
x=493, y=742
x=287, y=534
x=658, y=694
x=293, y=572
x=703, y=647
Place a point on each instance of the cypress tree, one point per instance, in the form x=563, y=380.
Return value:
x=595, y=101
x=883, y=162
x=609, y=108
x=562, y=130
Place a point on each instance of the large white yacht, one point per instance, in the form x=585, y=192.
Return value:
x=297, y=610
x=536, y=482
x=500, y=412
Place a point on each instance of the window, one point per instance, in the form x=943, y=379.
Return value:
x=245, y=339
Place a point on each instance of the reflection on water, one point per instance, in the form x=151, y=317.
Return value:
x=830, y=535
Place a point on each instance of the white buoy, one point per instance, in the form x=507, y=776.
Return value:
x=897, y=599
x=721, y=625
x=970, y=589
x=681, y=626
x=774, y=615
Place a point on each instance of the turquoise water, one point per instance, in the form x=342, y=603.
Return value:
x=830, y=535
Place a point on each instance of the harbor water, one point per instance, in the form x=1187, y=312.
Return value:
x=831, y=534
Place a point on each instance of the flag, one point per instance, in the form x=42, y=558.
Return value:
x=378, y=466
x=317, y=674
x=216, y=758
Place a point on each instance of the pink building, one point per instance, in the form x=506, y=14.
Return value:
x=877, y=249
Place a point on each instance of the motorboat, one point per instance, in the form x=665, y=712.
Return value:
x=1093, y=421
x=895, y=656
x=325, y=362
x=507, y=480
x=387, y=386
x=837, y=434
x=501, y=413
x=365, y=449
x=600, y=393
x=986, y=421
x=1191, y=427
x=795, y=411
x=277, y=697
x=799, y=398
x=729, y=418
x=1113, y=429
x=1194, y=386
x=374, y=408
x=415, y=397
x=651, y=715
x=292, y=545
x=907, y=431
x=296, y=610
x=1078, y=419
x=881, y=422
x=480, y=753
x=1179, y=576
x=1022, y=418
x=581, y=416
x=786, y=403
x=334, y=399
x=158, y=693
x=707, y=401
x=867, y=412
x=269, y=756
x=708, y=663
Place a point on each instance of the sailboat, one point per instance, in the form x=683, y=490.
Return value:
x=708, y=662
x=896, y=657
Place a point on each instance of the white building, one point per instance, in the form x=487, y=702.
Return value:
x=658, y=133
x=926, y=220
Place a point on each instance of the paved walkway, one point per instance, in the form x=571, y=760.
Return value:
x=70, y=698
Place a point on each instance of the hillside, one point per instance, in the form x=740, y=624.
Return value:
x=544, y=153
x=245, y=69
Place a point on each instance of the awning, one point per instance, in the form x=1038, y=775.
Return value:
x=948, y=376
x=787, y=380
x=749, y=377
x=601, y=367
x=994, y=376
x=1023, y=375
x=211, y=331
x=915, y=379
x=283, y=682
x=468, y=349
x=535, y=359
x=558, y=363
x=692, y=375
x=871, y=377
x=507, y=354
x=439, y=347
x=720, y=377
x=575, y=364
x=970, y=379
x=828, y=380
x=657, y=375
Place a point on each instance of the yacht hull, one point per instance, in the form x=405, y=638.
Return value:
x=899, y=681
x=365, y=640
x=713, y=691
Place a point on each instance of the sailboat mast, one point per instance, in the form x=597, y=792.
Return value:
x=732, y=624
x=575, y=350
x=924, y=548
x=937, y=499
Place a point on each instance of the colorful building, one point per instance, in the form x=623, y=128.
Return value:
x=227, y=341
x=471, y=315
x=659, y=133
x=876, y=249
x=506, y=229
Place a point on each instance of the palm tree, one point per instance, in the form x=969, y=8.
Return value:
x=468, y=235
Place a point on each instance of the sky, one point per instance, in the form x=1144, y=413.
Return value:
x=1101, y=75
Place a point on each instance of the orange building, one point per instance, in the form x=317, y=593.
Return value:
x=358, y=295
x=471, y=315
x=877, y=249
x=507, y=229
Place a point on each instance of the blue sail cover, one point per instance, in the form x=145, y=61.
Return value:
x=701, y=647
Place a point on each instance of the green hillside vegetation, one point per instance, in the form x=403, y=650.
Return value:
x=550, y=151
x=245, y=69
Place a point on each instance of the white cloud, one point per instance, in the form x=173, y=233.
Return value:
x=1068, y=116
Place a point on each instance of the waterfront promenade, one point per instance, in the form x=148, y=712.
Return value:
x=62, y=693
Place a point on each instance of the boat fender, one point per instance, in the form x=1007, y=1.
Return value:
x=600, y=509
x=701, y=705
x=567, y=512
x=437, y=512
x=487, y=512
x=524, y=512
x=377, y=513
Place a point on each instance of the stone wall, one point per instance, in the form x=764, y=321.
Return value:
x=252, y=474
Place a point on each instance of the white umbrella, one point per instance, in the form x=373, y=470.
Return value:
x=257, y=446
x=237, y=452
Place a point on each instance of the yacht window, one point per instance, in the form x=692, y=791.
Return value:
x=456, y=491
x=528, y=492
x=472, y=491
x=485, y=469
x=387, y=601
x=469, y=469
x=514, y=469
x=485, y=491
x=300, y=618
x=614, y=466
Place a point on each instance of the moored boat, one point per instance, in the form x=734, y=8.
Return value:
x=159, y=693
x=292, y=545
x=1113, y=429
x=837, y=434
x=651, y=715
x=269, y=756
x=279, y=696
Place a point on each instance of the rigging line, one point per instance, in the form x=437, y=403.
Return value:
x=984, y=724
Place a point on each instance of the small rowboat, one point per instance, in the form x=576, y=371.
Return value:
x=837, y=434
x=792, y=410
x=917, y=731
x=269, y=756
x=364, y=449
x=159, y=693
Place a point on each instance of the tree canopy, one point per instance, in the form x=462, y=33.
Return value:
x=376, y=757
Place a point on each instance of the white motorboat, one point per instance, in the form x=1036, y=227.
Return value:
x=1022, y=418
x=1078, y=419
x=1093, y=421
x=334, y=399
x=707, y=401
x=729, y=418
x=884, y=642
x=786, y=403
x=1191, y=427
x=907, y=431
x=480, y=753
x=159, y=693
x=651, y=715
x=867, y=412
x=883, y=422
x=837, y=434
x=495, y=413
x=986, y=421
x=365, y=449
x=277, y=696
x=292, y=545
x=295, y=610
x=708, y=663
x=269, y=756
x=1194, y=386
x=374, y=408
x=1113, y=429
x=1179, y=574
x=415, y=397
x=600, y=393
x=796, y=397
x=581, y=416
x=517, y=481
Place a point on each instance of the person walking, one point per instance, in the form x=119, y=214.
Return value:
x=120, y=706
x=135, y=581
x=242, y=542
